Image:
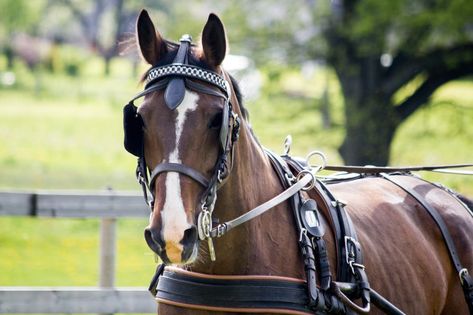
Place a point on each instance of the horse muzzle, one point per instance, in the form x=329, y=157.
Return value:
x=178, y=253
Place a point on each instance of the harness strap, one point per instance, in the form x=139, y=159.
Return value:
x=179, y=168
x=435, y=216
x=315, y=230
x=465, y=279
x=244, y=294
x=349, y=256
x=368, y=169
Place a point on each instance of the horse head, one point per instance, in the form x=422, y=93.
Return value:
x=188, y=127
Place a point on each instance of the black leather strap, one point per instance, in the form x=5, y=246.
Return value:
x=435, y=216
x=465, y=279
x=285, y=175
x=390, y=169
x=316, y=234
x=232, y=293
x=178, y=168
x=349, y=257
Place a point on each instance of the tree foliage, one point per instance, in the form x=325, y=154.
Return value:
x=379, y=47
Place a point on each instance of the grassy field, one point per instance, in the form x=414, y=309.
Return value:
x=63, y=132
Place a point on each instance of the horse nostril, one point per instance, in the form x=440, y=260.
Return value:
x=154, y=240
x=190, y=236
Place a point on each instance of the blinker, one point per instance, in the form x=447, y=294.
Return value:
x=176, y=89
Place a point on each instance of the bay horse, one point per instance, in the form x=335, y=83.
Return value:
x=193, y=135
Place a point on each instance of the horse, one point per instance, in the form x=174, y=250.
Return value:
x=192, y=133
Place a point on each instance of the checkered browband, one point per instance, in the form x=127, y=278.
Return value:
x=179, y=69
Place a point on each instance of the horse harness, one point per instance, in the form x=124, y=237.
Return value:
x=257, y=294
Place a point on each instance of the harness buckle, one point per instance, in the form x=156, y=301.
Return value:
x=219, y=176
x=350, y=250
x=354, y=265
x=462, y=274
x=221, y=229
x=302, y=233
x=290, y=178
x=236, y=127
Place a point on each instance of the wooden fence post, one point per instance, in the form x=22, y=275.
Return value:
x=108, y=229
x=107, y=252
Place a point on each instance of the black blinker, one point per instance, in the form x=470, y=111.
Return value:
x=133, y=129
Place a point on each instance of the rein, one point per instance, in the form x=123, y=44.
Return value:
x=368, y=169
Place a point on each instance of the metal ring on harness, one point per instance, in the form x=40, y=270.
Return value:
x=204, y=227
x=322, y=157
x=365, y=309
x=311, y=184
x=287, y=144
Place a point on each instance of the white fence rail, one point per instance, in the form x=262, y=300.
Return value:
x=106, y=298
x=75, y=300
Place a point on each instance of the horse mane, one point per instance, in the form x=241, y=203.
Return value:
x=239, y=96
x=467, y=201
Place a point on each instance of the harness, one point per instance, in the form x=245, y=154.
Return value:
x=318, y=293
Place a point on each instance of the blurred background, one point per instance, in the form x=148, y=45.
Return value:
x=365, y=81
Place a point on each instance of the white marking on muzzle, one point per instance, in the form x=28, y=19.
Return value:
x=173, y=214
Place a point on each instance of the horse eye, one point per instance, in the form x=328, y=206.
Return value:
x=216, y=121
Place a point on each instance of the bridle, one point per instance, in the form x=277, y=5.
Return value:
x=174, y=79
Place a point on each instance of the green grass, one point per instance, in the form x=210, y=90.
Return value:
x=64, y=252
x=66, y=133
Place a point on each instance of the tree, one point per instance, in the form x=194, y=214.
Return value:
x=379, y=47
x=91, y=16
x=17, y=16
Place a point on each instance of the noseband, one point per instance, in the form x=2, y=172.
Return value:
x=174, y=79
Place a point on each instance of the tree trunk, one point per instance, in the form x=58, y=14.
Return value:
x=370, y=127
x=371, y=119
x=10, y=55
x=107, y=64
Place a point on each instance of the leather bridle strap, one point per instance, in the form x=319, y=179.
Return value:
x=178, y=168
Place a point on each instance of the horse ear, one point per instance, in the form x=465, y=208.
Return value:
x=152, y=45
x=214, y=41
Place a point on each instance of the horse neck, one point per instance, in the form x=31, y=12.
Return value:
x=264, y=245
